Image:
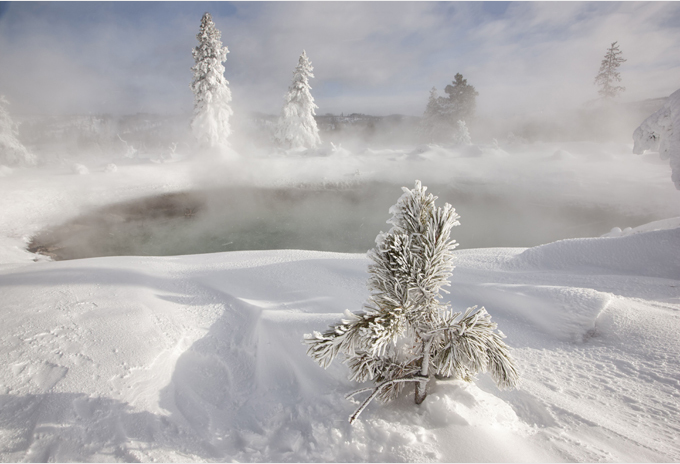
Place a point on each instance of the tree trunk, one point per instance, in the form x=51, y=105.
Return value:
x=421, y=392
x=421, y=387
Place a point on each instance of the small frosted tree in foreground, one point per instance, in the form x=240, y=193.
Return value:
x=297, y=127
x=12, y=151
x=210, y=123
x=609, y=74
x=406, y=334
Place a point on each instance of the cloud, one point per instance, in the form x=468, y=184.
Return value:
x=373, y=57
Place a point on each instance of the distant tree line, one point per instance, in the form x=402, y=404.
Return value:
x=445, y=119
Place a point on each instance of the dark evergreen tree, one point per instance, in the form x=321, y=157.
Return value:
x=406, y=334
x=461, y=101
x=609, y=74
x=445, y=117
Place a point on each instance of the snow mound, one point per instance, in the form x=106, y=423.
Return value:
x=111, y=168
x=651, y=254
x=80, y=169
x=663, y=224
x=200, y=358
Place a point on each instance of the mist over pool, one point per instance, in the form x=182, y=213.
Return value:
x=311, y=218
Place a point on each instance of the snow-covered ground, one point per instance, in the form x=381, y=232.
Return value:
x=200, y=358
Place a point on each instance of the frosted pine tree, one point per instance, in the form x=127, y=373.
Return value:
x=433, y=126
x=12, y=151
x=406, y=334
x=461, y=101
x=210, y=123
x=608, y=74
x=445, y=117
x=296, y=126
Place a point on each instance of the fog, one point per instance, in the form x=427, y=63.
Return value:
x=376, y=58
x=96, y=84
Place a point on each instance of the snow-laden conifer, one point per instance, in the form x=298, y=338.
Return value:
x=12, y=151
x=433, y=126
x=210, y=123
x=609, y=74
x=297, y=127
x=406, y=334
x=445, y=117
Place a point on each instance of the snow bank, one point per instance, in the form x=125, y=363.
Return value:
x=670, y=223
x=661, y=132
x=653, y=254
x=200, y=358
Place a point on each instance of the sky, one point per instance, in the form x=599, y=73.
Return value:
x=369, y=57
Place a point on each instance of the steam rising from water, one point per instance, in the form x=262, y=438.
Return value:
x=341, y=220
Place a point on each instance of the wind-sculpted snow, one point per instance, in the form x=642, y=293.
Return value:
x=661, y=132
x=200, y=358
x=653, y=254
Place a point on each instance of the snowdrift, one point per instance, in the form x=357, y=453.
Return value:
x=653, y=254
x=200, y=358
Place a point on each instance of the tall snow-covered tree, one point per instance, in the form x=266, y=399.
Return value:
x=609, y=74
x=406, y=334
x=297, y=127
x=210, y=123
x=12, y=151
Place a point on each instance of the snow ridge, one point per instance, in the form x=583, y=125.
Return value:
x=652, y=254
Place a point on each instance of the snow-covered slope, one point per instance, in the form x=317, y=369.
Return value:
x=636, y=254
x=200, y=358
